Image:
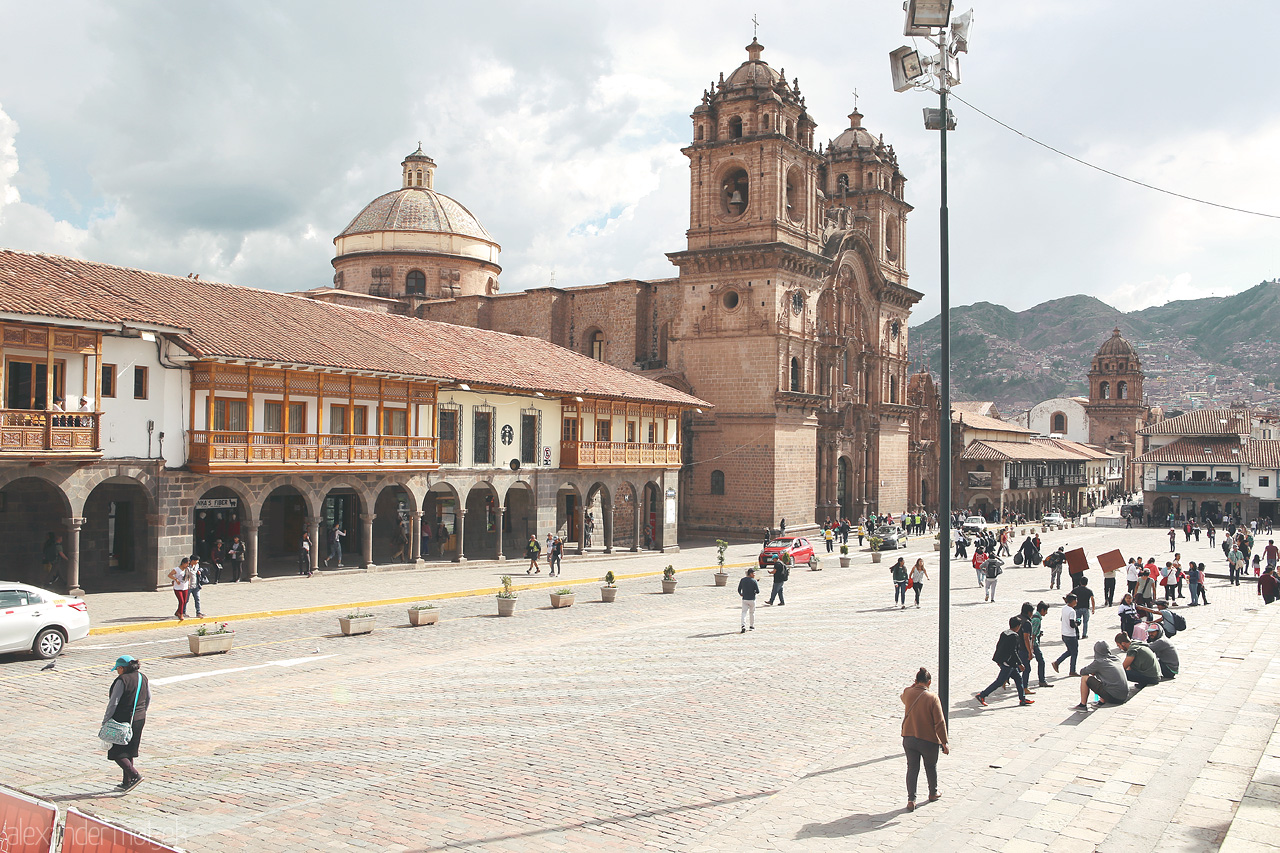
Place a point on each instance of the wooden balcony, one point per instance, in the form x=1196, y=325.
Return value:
x=618, y=454
x=27, y=434
x=218, y=450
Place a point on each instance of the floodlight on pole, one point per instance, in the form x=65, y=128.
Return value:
x=924, y=17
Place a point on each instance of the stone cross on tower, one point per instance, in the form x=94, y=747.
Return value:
x=755, y=26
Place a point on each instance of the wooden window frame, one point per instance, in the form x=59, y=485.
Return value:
x=144, y=372
x=108, y=373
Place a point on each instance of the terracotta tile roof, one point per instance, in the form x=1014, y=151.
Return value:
x=1017, y=451
x=1199, y=451
x=1087, y=451
x=983, y=422
x=1203, y=422
x=976, y=407
x=227, y=321
x=1264, y=453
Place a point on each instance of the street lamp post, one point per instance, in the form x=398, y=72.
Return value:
x=910, y=70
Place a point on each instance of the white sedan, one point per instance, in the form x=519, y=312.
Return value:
x=1054, y=518
x=40, y=620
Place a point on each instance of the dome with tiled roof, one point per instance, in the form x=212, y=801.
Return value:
x=856, y=136
x=416, y=209
x=754, y=72
x=1116, y=345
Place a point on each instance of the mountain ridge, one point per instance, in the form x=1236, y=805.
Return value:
x=1214, y=349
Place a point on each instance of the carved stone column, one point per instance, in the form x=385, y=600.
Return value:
x=73, y=555
x=250, y=531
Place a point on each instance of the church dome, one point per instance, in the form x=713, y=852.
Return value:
x=1116, y=345
x=856, y=136
x=754, y=72
x=416, y=209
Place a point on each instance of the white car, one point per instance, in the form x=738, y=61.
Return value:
x=40, y=620
x=974, y=524
x=1054, y=518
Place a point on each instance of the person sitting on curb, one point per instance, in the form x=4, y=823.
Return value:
x=1164, y=651
x=1103, y=676
x=1140, y=663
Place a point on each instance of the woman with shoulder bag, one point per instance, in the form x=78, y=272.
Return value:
x=924, y=735
x=125, y=716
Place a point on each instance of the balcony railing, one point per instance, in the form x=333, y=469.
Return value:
x=601, y=454
x=224, y=449
x=24, y=432
x=1199, y=487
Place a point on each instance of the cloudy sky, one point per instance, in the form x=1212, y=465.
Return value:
x=234, y=139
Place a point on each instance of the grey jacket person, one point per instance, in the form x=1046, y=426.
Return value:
x=1109, y=671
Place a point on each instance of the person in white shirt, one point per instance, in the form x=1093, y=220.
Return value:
x=1070, y=633
x=1135, y=569
x=181, y=586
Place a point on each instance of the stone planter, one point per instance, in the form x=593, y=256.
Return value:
x=844, y=562
x=362, y=625
x=424, y=617
x=722, y=578
x=558, y=601
x=875, y=556
x=506, y=606
x=815, y=565
x=211, y=644
x=937, y=546
x=608, y=594
x=668, y=586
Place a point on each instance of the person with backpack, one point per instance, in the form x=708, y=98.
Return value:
x=127, y=703
x=1006, y=657
x=781, y=574
x=1054, y=561
x=531, y=552
x=1070, y=633
x=1144, y=592
x=992, y=568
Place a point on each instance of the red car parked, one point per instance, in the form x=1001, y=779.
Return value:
x=799, y=549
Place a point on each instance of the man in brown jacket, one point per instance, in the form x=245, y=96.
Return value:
x=924, y=732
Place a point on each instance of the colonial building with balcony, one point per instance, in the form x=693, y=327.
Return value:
x=149, y=416
x=1001, y=467
x=1211, y=464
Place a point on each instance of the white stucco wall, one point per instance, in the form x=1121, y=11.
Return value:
x=1040, y=418
x=124, y=418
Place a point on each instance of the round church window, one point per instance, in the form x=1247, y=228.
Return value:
x=730, y=299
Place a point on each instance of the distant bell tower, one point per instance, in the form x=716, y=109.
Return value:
x=1116, y=407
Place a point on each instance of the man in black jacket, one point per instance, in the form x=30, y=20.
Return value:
x=1006, y=657
x=748, y=589
x=781, y=573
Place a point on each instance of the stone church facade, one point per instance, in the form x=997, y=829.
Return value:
x=789, y=310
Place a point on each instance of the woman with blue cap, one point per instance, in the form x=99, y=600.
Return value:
x=130, y=695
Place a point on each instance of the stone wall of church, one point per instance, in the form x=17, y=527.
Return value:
x=385, y=274
x=894, y=443
x=795, y=460
x=743, y=450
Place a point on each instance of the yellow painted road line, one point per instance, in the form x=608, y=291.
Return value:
x=321, y=608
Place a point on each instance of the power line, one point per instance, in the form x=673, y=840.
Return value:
x=1108, y=171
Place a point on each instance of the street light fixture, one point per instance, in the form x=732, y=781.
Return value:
x=931, y=20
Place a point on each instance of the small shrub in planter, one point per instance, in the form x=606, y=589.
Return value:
x=357, y=622
x=844, y=556
x=669, y=580
x=211, y=639
x=721, y=576
x=424, y=614
x=609, y=591
x=562, y=597
x=507, y=598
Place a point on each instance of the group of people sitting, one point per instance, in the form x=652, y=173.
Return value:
x=1143, y=654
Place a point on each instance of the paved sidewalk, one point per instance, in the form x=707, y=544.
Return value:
x=653, y=724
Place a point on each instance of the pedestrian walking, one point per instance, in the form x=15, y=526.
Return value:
x=918, y=576
x=235, y=558
x=1070, y=633
x=555, y=557
x=217, y=557
x=336, y=535
x=1037, y=632
x=1026, y=644
x=1108, y=586
x=992, y=568
x=1268, y=585
x=900, y=576
x=1006, y=657
x=829, y=536
x=781, y=574
x=196, y=579
x=748, y=589
x=1085, y=604
x=53, y=557
x=924, y=735
x=1235, y=560
x=304, y=555
x=531, y=552
x=1054, y=561
x=127, y=703
x=181, y=586
x=1173, y=539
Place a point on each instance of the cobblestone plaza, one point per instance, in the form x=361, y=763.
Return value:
x=651, y=723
